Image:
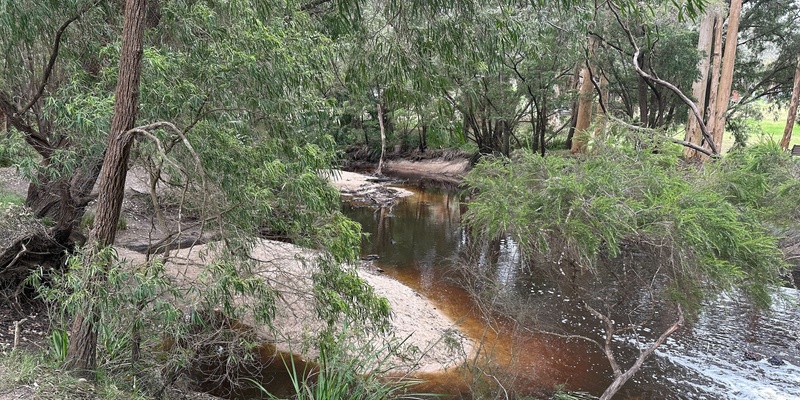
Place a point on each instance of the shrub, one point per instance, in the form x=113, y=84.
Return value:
x=709, y=221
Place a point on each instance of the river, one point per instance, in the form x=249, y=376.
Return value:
x=419, y=241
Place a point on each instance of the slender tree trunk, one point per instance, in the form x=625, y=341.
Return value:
x=642, y=88
x=726, y=76
x=506, y=137
x=601, y=104
x=542, y=124
x=83, y=338
x=379, y=170
x=423, y=138
x=573, y=119
x=584, y=106
x=787, y=131
x=693, y=133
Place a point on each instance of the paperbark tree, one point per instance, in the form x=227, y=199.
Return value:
x=585, y=99
x=787, y=131
x=83, y=338
x=693, y=134
x=726, y=75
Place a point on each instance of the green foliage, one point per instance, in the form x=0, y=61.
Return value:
x=709, y=222
x=59, y=342
x=348, y=372
x=342, y=295
x=129, y=301
x=13, y=149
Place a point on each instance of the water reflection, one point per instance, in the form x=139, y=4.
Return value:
x=419, y=239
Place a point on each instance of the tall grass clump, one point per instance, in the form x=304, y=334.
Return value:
x=349, y=371
x=708, y=227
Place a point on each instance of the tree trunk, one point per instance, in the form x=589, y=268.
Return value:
x=506, y=137
x=573, y=118
x=423, y=138
x=693, y=133
x=642, y=90
x=542, y=124
x=713, y=89
x=584, y=106
x=83, y=336
x=787, y=131
x=726, y=76
x=602, y=106
x=379, y=170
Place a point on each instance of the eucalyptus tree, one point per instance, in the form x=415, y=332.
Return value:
x=540, y=51
x=766, y=62
x=230, y=110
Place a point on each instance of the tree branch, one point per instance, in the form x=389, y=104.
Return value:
x=622, y=378
x=32, y=136
x=48, y=70
x=673, y=88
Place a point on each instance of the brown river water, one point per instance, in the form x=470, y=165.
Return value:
x=418, y=241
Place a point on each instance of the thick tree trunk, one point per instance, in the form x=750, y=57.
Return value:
x=506, y=132
x=83, y=336
x=726, y=76
x=693, y=133
x=787, y=131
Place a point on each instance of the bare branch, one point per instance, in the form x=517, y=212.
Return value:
x=621, y=379
x=671, y=139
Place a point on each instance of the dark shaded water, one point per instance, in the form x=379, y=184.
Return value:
x=418, y=240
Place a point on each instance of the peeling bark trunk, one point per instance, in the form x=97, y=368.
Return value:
x=787, y=131
x=584, y=118
x=643, y=105
x=693, y=134
x=713, y=90
x=726, y=75
x=81, y=353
